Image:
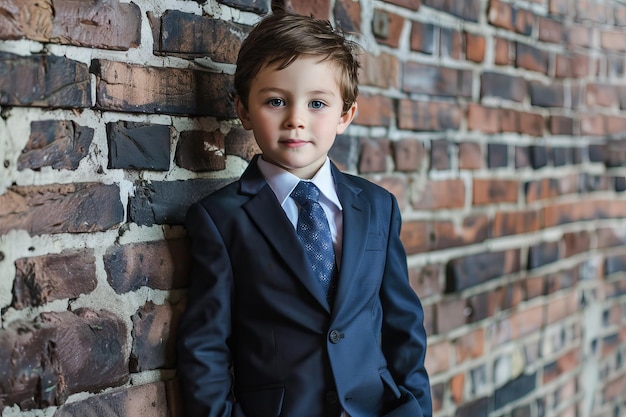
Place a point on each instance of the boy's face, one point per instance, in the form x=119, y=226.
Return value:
x=295, y=113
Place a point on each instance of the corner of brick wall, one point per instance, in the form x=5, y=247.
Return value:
x=500, y=126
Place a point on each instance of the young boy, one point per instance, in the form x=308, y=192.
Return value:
x=283, y=318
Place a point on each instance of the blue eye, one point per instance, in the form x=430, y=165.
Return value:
x=317, y=104
x=276, y=102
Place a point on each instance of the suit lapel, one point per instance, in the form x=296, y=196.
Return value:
x=356, y=214
x=268, y=216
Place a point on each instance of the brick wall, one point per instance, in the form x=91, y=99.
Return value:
x=499, y=125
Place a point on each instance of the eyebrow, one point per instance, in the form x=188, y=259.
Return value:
x=283, y=91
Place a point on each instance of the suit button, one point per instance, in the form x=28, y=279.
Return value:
x=335, y=336
x=332, y=398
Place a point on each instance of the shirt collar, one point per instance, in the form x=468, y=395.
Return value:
x=283, y=182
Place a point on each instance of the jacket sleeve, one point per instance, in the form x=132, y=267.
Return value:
x=403, y=333
x=204, y=357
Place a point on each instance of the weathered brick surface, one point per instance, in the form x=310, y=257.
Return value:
x=160, y=264
x=154, y=336
x=44, y=367
x=176, y=34
x=136, y=88
x=200, y=150
x=166, y=202
x=42, y=279
x=43, y=81
x=142, y=400
x=138, y=146
x=107, y=24
x=58, y=144
x=61, y=208
x=498, y=125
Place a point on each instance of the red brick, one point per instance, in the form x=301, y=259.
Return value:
x=439, y=155
x=100, y=24
x=508, y=87
x=61, y=208
x=602, y=95
x=438, y=357
x=140, y=400
x=59, y=353
x=394, y=24
x=561, y=306
x=319, y=8
x=528, y=320
x=483, y=119
x=504, y=52
x=443, y=194
x=494, y=191
x=505, y=298
x=43, y=81
x=515, y=223
x=456, y=388
x=546, y=94
x=592, y=124
x=426, y=281
x=561, y=125
x=154, y=336
x=162, y=265
x=422, y=37
x=609, y=237
x=470, y=156
x=240, y=142
x=434, y=80
x=576, y=243
x=542, y=254
x=550, y=30
x=466, y=10
x=614, y=388
x=543, y=189
x=615, y=125
x=382, y=70
x=507, y=17
x=373, y=155
x=471, y=270
x=450, y=43
x=415, y=236
x=451, y=314
x=447, y=234
x=532, y=124
x=579, y=36
x=613, y=41
x=408, y=155
x=374, y=110
x=57, y=144
x=428, y=116
x=408, y=4
x=560, y=7
x=43, y=279
x=509, y=120
x=141, y=89
x=531, y=58
x=348, y=15
x=201, y=150
x=470, y=345
x=475, y=47
x=176, y=34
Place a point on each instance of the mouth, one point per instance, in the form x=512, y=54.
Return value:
x=293, y=143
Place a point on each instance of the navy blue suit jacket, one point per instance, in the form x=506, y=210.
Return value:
x=259, y=339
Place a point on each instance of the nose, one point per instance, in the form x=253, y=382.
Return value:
x=295, y=119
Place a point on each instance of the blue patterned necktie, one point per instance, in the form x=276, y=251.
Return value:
x=314, y=233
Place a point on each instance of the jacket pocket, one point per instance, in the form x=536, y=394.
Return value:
x=389, y=382
x=264, y=401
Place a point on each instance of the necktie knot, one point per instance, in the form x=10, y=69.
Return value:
x=305, y=193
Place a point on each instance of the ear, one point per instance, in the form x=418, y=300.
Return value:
x=243, y=114
x=347, y=118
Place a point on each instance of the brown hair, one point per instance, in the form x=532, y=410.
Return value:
x=282, y=37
